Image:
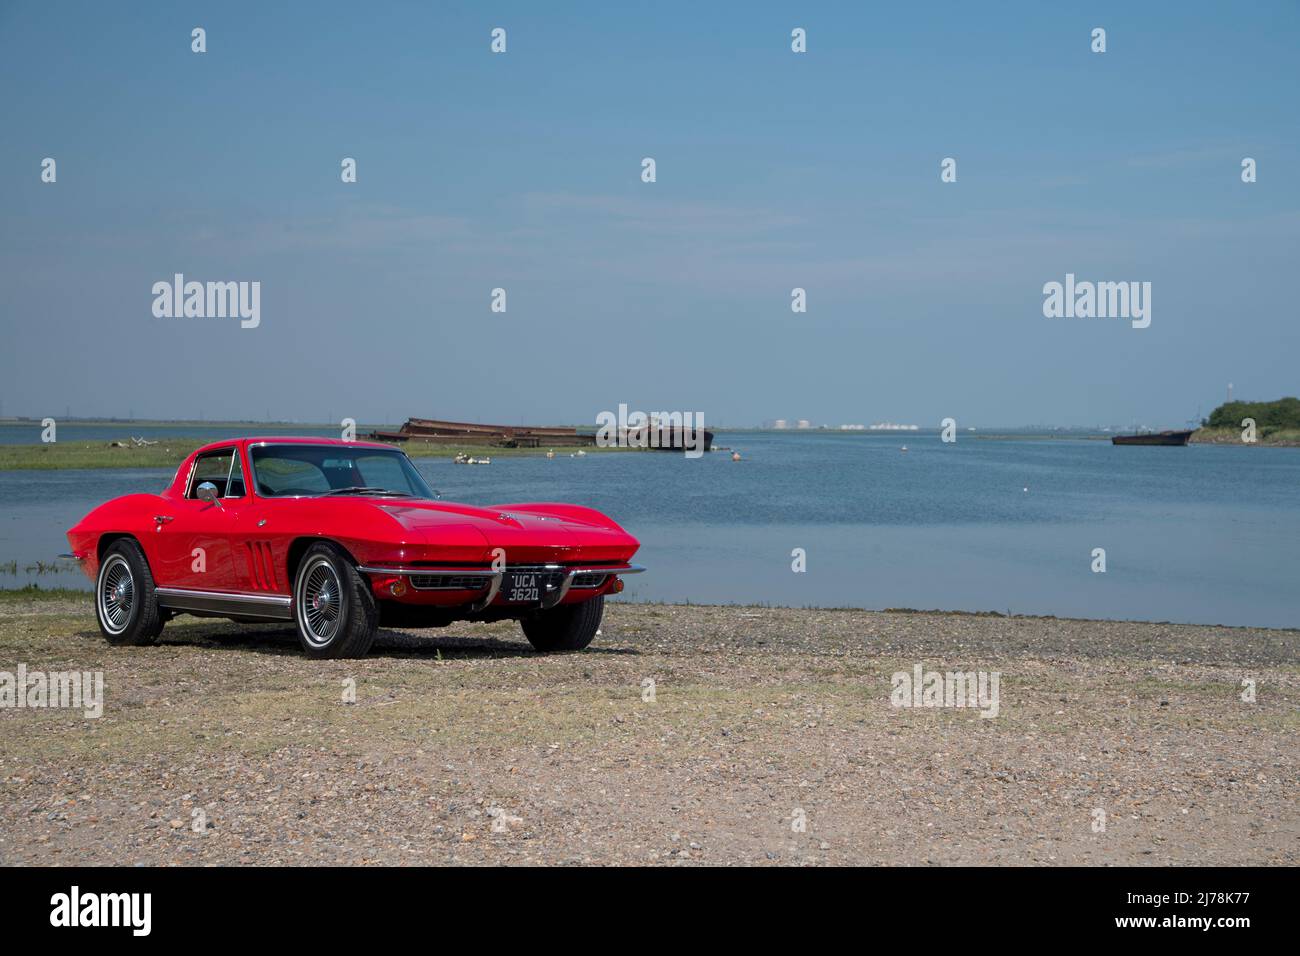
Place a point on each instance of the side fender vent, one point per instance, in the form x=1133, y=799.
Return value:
x=261, y=566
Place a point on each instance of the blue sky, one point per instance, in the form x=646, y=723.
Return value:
x=522, y=171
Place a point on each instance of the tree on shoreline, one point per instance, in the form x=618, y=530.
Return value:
x=1269, y=416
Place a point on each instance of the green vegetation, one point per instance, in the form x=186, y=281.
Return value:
x=92, y=454
x=1283, y=413
x=34, y=592
x=1276, y=423
x=170, y=452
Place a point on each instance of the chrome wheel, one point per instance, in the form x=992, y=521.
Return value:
x=320, y=602
x=115, y=594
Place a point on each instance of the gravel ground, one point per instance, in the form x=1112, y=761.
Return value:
x=463, y=746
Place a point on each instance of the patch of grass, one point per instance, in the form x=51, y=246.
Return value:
x=83, y=454
x=1265, y=435
x=34, y=592
x=170, y=452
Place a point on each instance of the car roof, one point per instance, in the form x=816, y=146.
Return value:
x=292, y=440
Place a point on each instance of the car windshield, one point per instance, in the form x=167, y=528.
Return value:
x=291, y=470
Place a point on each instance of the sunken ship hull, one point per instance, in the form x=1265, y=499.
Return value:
x=1153, y=438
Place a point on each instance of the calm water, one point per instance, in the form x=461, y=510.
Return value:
x=1206, y=534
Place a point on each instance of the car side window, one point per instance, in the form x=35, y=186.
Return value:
x=214, y=467
x=236, y=487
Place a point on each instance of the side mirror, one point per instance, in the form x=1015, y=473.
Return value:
x=207, y=491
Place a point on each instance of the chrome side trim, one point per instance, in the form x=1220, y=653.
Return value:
x=273, y=607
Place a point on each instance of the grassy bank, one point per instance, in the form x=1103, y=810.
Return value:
x=172, y=451
x=1276, y=423
x=1278, y=437
x=80, y=454
x=32, y=594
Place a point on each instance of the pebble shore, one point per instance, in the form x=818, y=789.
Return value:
x=685, y=735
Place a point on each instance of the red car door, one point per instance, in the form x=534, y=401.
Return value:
x=260, y=549
x=192, y=536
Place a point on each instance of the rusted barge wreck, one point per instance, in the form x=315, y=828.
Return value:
x=501, y=436
x=435, y=431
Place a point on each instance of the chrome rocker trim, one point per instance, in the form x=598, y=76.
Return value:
x=273, y=607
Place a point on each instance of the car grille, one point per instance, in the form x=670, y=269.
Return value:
x=549, y=580
x=448, y=582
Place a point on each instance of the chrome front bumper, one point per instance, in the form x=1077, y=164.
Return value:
x=552, y=596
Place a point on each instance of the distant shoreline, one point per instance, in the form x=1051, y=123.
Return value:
x=170, y=451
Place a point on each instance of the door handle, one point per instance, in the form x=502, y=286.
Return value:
x=162, y=519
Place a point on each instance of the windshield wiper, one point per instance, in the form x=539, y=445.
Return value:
x=364, y=490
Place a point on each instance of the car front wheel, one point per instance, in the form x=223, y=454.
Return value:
x=333, y=607
x=126, y=606
x=569, y=627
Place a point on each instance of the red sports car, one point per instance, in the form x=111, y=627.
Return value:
x=341, y=537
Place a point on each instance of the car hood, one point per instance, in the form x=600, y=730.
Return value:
x=526, y=535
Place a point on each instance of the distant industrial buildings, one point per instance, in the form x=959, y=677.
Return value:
x=780, y=424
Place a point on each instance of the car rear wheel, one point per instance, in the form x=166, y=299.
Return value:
x=569, y=627
x=333, y=607
x=126, y=606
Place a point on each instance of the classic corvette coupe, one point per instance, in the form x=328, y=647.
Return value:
x=339, y=538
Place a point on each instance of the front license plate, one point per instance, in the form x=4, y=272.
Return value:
x=523, y=587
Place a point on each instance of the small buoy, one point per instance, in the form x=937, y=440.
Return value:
x=904, y=448
x=1025, y=489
